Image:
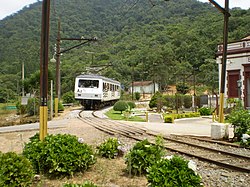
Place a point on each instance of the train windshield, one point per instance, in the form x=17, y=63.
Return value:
x=88, y=83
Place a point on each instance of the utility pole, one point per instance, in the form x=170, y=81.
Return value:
x=23, y=79
x=44, y=68
x=226, y=13
x=57, y=96
x=58, y=53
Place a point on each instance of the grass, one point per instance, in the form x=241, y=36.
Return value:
x=116, y=115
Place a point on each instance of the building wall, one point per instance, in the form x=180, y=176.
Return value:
x=148, y=89
x=235, y=62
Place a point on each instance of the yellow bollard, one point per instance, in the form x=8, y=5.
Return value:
x=146, y=116
x=43, y=122
x=56, y=107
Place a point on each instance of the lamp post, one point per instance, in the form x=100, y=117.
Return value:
x=226, y=13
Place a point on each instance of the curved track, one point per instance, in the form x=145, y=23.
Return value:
x=226, y=155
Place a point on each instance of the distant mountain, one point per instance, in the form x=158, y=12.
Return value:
x=159, y=39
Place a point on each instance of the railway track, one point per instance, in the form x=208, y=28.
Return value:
x=224, y=155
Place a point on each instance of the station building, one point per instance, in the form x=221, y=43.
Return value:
x=237, y=70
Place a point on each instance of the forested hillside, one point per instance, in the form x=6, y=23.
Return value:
x=165, y=41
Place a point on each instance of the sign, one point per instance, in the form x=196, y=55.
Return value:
x=24, y=100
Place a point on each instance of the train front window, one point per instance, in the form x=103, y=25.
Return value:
x=88, y=83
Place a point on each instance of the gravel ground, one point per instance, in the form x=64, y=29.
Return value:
x=212, y=175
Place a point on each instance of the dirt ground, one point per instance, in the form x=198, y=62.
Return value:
x=104, y=173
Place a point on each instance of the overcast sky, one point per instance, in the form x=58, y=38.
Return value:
x=9, y=7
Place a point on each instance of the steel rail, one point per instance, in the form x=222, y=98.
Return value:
x=103, y=127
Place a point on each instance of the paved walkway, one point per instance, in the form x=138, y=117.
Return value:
x=190, y=126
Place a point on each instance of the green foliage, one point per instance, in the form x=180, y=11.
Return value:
x=15, y=170
x=60, y=106
x=131, y=104
x=117, y=116
x=240, y=119
x=68, y=97
x=204, y=111
x=187, y=103
x=172, y=172
x=167, y=42
x=143, y=155
x=109, y=148
x=32, y=108
x=59, y=155
x=182, y=89
x=137, y=96
x=85, y=184
x=168, y=119
x=154, y=100
x=120, y=106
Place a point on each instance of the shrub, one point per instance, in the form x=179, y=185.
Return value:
x=153, y=101
x=204, y=111
x=120, y=106
x=131, y=104
x=59, y=155
x=137, y=96
x=169, y=101
x=172, y=172
x=168, y=119
x=32, y=106
x=85, y=184
x=15, y=170
x=182, y=88
x=60, y=106
x=143, y=155
x=68, y=97
x=187, y=101
x=240, y=119
x=109, y=148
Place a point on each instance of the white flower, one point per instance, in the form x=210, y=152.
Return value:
x=244, y=140
x=168, y=157
x=192, y=165
x=245, y=136
x=80, y=140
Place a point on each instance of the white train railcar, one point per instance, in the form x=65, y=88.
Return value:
x=95, y=91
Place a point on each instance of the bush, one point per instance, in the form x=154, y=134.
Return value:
x=131, y=104
x=120, y=106
x=172, y=172
x=204, y=111
x=168, y=119
x=137, y=96
x=187, y=101
x=109, y=148
x=85, y=184
x=15, y=170
x=59, y=155
x=68, y=97
x=32, y=106
x=153, y=101
x=240, y=119
x=60, y=106
x=143, y=155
